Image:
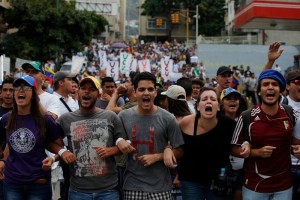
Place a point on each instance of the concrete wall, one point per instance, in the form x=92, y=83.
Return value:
x=255, y=56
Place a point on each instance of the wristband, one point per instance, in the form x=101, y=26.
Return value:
x=3, y=160
x=246, y=142
x=169, y=147
x=118, y=140
x=62, y=151
x=129, y=142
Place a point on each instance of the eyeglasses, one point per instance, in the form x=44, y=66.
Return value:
x=296, y=82
x=23, y=87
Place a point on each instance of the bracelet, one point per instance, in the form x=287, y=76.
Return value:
x=246, y=142
x=169, y=147
x=62, y=151
x=118, y=140
x=3, y=160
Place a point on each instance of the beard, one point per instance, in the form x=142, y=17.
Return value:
x=92, y=104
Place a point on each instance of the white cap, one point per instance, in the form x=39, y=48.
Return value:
x=175, y=92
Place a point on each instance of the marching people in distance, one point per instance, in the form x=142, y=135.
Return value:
x=28, y=131
x=150, y=129
x=205, y=131
x=269, y=131
x=91, y=134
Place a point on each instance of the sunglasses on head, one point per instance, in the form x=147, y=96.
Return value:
x=296, y=82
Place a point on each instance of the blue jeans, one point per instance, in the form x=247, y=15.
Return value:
x=196, y=191
x=282, y=195
x=296, y=182
x=27, y=191
x=112, y=194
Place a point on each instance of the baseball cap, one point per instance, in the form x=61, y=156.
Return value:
x=91, y=78
x=175, y=92
x=35, y=64
x=273, y=74
x=223, y=69
x=228, y=91
x=292, y=75
x=61, y=75
x=29, y=80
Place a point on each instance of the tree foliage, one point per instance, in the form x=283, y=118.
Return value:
x=211, y=11
x=45, y=29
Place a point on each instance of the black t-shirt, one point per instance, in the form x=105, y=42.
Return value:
x=4, y=110
x=205, y=154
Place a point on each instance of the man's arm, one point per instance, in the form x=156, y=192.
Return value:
x=112, y=104
x=273, y=54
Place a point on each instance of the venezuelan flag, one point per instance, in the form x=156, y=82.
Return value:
x=49, y=74
x=236, y=82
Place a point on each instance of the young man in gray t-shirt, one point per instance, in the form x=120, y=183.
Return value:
x=150, y=129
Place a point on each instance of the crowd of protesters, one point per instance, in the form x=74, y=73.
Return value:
x=145, y=135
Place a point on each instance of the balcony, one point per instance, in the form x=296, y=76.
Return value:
x=268, y=15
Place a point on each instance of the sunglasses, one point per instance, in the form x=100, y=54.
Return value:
x=23, y=87
x=296, y=82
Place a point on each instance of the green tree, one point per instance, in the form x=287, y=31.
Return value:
x=43, y=31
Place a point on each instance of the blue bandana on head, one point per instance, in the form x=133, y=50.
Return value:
x=273, y=74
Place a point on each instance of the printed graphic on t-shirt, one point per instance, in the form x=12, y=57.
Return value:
x=22, y=140
x=87, y=134
x=145, y=146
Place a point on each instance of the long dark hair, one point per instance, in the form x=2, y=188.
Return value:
x=35, y=111
x=178, y=108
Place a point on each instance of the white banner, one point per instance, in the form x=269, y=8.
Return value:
x=166, y=68
x=20, y=62
x=144, y=65
x=103, y=59
x=77, y=63
x=133, y=65
x=125, y=62
x=113, y=70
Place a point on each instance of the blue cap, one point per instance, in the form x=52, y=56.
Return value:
x=226, y=92
x=273, y=74
x=24, y=79
x=36, y=65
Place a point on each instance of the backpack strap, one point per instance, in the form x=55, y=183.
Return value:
x=285, y=100
x=290, y=111
x=246, y=116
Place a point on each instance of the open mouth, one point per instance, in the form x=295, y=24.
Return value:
x=270, y=95
x=146, y=100
x=86, y=97
x=233, y=105
x=208, y=108
x=21, y=96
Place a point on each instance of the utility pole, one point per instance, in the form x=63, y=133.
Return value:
x=187, y=26
x=197, y=18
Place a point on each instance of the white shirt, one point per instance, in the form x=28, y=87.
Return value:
x=296, y=131
x=69, y=101
x=50, y=103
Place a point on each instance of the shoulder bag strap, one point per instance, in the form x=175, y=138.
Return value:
x=66, y=105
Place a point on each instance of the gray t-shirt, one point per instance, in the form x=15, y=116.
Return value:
x=149, y=134
x=90, y=173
